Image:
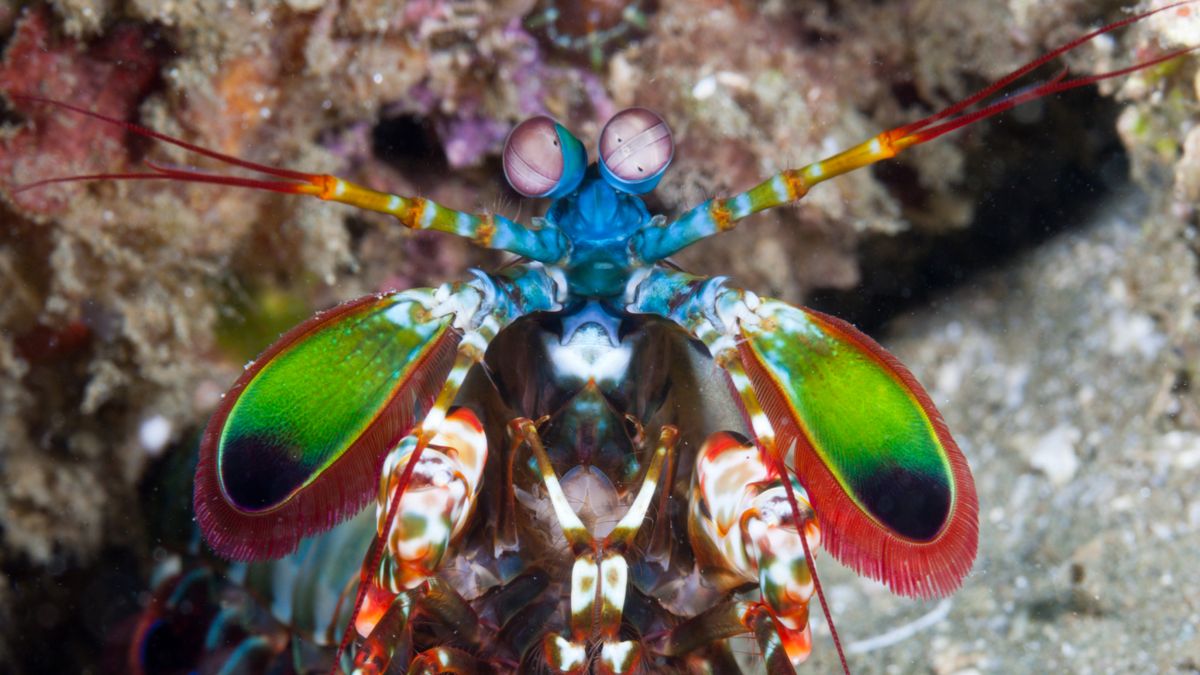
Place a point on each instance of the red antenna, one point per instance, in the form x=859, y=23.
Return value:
x=295, y=179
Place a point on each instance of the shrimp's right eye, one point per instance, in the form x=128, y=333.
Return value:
x=543, y=159
x=635, y=150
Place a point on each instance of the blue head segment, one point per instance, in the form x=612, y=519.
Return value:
x=543, y=159
x=635, y=150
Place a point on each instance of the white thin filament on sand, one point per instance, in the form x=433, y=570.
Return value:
x=901, y=633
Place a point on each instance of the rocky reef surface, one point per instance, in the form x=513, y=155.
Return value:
x=1037, y=272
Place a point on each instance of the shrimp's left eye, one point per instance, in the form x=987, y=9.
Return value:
x=635, y=149
x=543, y=159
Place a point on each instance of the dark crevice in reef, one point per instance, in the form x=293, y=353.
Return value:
x=1029, y=177
x=406, y=142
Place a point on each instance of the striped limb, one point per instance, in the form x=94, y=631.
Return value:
x=436, y=505
x=391, y=635
x=430, y=480
x=544, y=243
x=600, y=576
x=742, y=530
x=735, y=618
x=428, y=490
x=656, y=242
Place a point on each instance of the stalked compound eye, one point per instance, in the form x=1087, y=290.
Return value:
x=543, y=159
x=635, y=150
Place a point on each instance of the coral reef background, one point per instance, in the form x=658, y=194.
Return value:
x=1037, y=272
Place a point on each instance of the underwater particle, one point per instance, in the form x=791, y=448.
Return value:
x=590, y=29
x=154, y=433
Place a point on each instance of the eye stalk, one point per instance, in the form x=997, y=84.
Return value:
x=543, y=159
x=635, y=149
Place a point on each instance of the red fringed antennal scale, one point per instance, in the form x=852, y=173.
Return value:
x=921, y=568
x=326, y=496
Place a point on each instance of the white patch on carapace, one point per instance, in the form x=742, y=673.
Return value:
x=590, y=355
x=594, y=316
